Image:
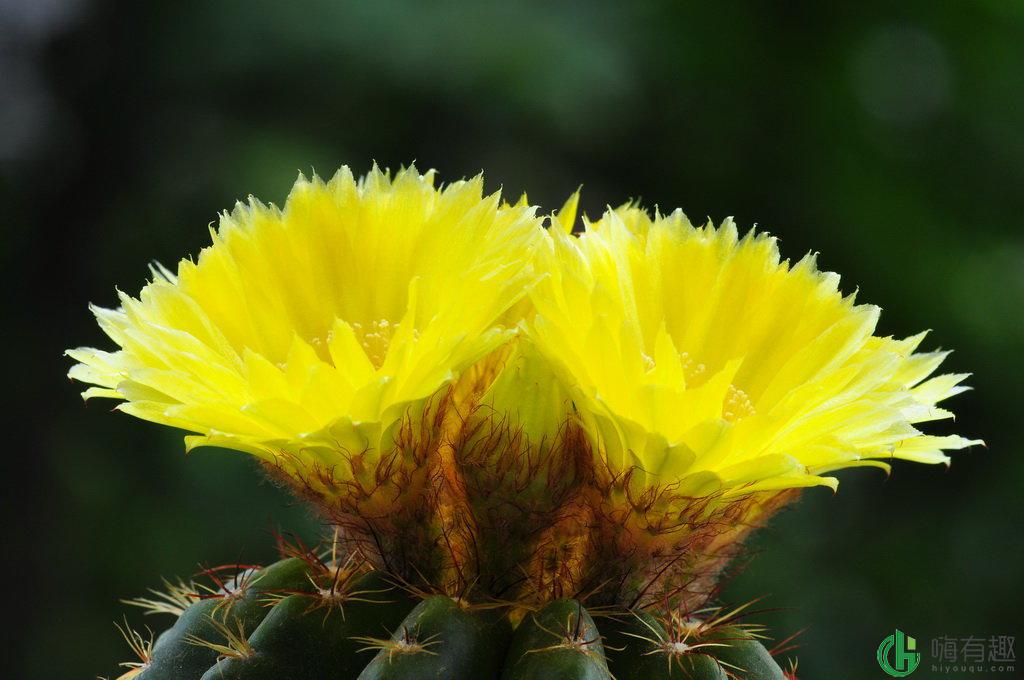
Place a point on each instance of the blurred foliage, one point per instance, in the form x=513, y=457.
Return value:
x=889, y=136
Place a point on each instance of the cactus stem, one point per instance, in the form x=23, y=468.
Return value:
x=674, y=642
x=341, y=576
x=406, y=644
x=333, y=585
x=236, y=641
x=570, y=637
x=226, y=590
x=702, y=621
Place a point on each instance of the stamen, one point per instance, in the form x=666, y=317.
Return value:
x=376, y=339
x=691, y=368
x=737, y=405
x=648, y=362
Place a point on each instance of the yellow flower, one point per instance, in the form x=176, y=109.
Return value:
x=313, y=329
x=474, y=400
x=701, y=359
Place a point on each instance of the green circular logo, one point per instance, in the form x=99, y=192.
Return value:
x=905, y=660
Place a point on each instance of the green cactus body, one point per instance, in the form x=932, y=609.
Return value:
x=178, y=653
x=301, y=620
x=639, y=648
x=440, y=639
x=312, y=636
x=560, y=642
x=628, y=640
x=745, y=656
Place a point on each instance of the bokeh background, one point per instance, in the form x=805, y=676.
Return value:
x=888, y=136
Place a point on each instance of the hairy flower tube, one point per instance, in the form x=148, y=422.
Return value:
x=480, y=398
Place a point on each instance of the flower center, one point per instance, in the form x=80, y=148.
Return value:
x=375, y=338
x=737, y=403
x=692, y=369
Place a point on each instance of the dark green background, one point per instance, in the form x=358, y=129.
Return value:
x=887, y=135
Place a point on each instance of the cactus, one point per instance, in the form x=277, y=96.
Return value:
x=305, y=618
x=509, y=421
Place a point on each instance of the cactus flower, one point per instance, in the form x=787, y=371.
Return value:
x=485, y=401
